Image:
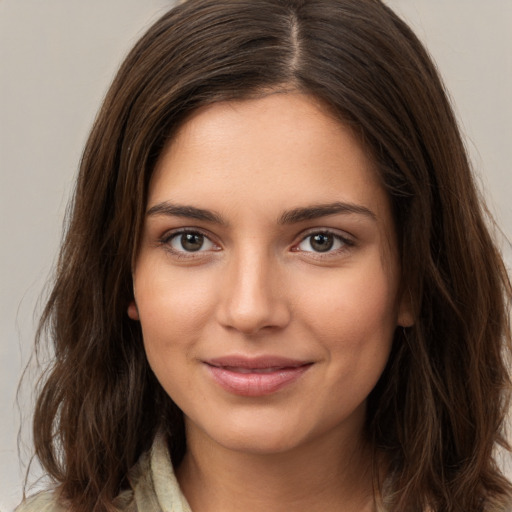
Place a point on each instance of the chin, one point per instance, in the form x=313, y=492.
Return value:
x=256, y=434
x=260, y=443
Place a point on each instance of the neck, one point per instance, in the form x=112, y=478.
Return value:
x=329, y=474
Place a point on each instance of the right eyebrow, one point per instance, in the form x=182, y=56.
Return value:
x=190, y=212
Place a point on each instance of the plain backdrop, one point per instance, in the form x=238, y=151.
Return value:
x=57, y=58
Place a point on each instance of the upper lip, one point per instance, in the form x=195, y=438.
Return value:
x=256, y=363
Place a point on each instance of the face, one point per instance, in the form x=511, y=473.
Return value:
x=267, y=279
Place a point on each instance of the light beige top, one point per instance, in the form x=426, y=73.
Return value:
x=154, y=487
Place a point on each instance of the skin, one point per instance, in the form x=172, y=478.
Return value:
x=259, y=286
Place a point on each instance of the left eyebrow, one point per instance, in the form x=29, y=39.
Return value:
x=322, y=210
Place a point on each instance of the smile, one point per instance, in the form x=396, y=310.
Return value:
x=255, y=377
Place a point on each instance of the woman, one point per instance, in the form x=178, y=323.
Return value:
x=277, y=276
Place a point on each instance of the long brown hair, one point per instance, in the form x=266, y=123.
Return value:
x=437, y=413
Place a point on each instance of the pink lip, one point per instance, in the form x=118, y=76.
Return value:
x=255, y=376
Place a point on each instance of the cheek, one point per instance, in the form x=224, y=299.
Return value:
x=173, y=310
x=351, y=302
x=353, y=317
x=173, y=307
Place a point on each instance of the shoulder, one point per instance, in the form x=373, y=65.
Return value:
x=45, y=501
x=153, y=487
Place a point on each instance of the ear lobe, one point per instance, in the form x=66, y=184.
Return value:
x=133, y=312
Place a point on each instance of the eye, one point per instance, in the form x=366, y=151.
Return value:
x=189, y=241
x=322, y=242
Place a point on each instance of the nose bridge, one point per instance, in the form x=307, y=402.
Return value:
x=252, y=298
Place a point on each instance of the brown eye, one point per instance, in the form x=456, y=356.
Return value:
x=190, y=241
x=322, y=242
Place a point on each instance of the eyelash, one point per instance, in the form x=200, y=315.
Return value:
x=346, y=243
x=165, y=241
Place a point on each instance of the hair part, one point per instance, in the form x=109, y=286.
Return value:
x=437, y=413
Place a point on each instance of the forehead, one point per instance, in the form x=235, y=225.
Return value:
x=281, y=145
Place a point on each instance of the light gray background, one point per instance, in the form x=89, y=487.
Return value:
x=57, y=58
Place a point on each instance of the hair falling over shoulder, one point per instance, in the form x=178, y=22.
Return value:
x=438, y=412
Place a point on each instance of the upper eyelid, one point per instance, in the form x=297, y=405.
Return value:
x=178, y=231
x=331, y=231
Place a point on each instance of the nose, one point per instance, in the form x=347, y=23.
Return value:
x=253, y=296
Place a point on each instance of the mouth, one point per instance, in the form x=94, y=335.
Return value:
x=237, y=369
x=256, y=376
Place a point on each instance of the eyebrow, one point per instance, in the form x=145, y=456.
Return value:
x=293, y=216
x=321, y=210
x=190, y=212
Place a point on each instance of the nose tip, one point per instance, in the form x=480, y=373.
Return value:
x=252, y=318
x=252, y=301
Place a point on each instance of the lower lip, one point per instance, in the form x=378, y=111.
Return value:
x=256, y=384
